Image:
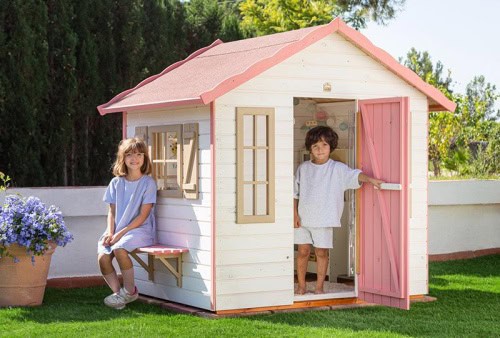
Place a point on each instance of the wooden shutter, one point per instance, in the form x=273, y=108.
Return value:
x=383, y=218
x=142, y=132
x=190, y=160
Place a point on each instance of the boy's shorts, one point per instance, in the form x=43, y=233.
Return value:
x=318, y=237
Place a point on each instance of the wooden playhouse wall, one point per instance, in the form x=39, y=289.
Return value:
x=183, y=222
x=255, y=261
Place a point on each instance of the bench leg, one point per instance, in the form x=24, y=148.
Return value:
x=151, y=270
x=148, y=267
x=176, y=272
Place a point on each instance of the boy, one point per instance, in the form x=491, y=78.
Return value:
x=319, y=201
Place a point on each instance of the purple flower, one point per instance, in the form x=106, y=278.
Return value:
x=29, y=223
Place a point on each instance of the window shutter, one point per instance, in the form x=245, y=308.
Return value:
x=142, y=132
x=190, y=160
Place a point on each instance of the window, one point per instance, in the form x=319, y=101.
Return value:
x=255, y=165
x=166, y=154
x=173, y=150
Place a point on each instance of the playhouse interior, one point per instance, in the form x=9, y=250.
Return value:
x=341, y=116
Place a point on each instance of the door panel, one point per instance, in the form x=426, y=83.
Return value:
x=383, y=273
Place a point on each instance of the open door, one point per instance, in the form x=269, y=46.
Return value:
x=383, y=217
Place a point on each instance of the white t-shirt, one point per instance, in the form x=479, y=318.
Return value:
x=320, y=191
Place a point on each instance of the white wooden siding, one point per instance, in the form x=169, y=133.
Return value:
x=353, y=75
x=183, y=222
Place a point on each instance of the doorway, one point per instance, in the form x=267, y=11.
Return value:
x=340, y=115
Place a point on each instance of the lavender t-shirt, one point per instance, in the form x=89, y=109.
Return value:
x=128, y=196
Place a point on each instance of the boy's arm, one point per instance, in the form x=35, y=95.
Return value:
x=296, y=218
x=365, y=178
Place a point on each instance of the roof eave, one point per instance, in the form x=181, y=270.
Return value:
x=156, y=105
x=103, y=108
x=393, y=65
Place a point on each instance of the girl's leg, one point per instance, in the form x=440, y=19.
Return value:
x=321, y=267
x=304, y=250
x=108, y=271
x=126, y=269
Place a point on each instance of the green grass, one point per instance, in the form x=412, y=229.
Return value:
x=468, y=293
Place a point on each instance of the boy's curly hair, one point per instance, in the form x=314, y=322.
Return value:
x=322, y=132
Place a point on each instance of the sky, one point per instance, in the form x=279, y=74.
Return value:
x=463, y=34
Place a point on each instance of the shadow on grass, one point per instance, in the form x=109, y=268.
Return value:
x=455, y=313
x=80, y=305
x=468, y=304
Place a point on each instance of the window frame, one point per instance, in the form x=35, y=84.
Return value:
x=241, y=112
x=178, y=193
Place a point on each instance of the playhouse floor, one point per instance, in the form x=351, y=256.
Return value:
x=332, y=289
x=329, y=287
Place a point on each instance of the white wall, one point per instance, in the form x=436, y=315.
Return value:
x=353, y=75
x=463, y=216
x=183, y=222
x=85, y=217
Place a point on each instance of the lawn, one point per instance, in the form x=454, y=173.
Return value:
x=468, y=293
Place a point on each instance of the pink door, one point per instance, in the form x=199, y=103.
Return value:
x=383, y=217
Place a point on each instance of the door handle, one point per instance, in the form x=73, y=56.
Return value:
x=390, y=186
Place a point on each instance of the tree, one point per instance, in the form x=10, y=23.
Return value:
x=443, y=126
x=263, y=17
x=421, y=63
x=465, y=141
x=208, y=20
x=23, y=89
x=57, y=123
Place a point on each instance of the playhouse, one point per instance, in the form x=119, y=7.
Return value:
x=226, y=127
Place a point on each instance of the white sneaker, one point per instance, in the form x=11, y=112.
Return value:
x=127, y=297
x=119, y=299
x=115, y=301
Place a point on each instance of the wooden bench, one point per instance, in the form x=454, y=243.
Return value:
x=162, y=253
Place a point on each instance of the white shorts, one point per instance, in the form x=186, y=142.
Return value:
x=318, y=237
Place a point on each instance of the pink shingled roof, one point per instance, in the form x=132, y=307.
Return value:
x=214, y=70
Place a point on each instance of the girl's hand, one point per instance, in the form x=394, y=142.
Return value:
x=106, y=241
x=296, y=221
x=116, y=237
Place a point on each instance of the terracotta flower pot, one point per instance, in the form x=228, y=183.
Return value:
x=23, y=283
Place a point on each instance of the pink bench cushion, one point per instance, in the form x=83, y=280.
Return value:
x=163, y=249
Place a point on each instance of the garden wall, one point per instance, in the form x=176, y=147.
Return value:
x=464, y=220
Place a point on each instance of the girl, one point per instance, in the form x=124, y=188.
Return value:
x=131, y=223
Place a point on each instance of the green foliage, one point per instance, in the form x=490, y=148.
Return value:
x=4, y=181
x=60, y=59
x=465, y=142
x=209, y=20
x=262, y=17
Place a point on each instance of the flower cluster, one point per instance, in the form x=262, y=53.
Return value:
x=29, y=223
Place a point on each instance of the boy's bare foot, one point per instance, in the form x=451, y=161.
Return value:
x=319, y=292
x=300, y=291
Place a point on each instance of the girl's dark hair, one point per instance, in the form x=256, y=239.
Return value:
x=322, y=133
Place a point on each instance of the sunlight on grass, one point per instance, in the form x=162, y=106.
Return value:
x=468, y=304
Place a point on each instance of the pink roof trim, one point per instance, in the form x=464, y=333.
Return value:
x=443, y=103
x=213, y=88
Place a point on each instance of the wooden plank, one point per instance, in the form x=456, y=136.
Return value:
x=254, y=300
x=173, y=293
x=296, y=305
x=255, y=256
x=256, y=270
